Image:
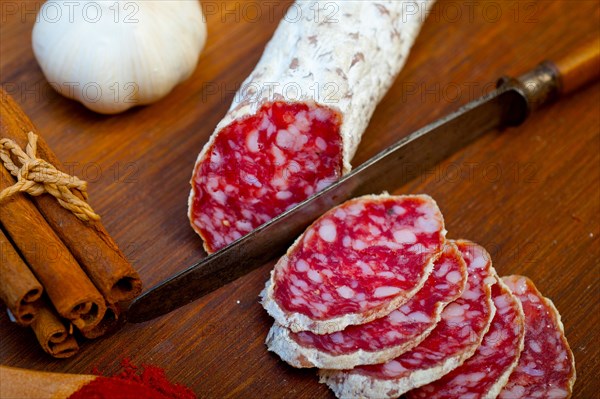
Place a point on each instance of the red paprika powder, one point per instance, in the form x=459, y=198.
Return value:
x=147, y=382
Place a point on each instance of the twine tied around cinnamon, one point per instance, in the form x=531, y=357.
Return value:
x=35, y=176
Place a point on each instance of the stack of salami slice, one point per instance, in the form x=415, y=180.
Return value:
x=376, y=297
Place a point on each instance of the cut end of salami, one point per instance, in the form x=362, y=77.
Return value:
x=359, y=261
x=298, y=118
x=383, y=338
x=546, y=368
x=260, y=166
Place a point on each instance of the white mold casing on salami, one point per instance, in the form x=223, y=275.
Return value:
x=382, y=339
x=454, y=340
x=546, y=368
x=358, y=46
x=370, y=272
x=343, y=55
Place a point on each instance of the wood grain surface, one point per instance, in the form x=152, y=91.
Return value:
x=530, y=194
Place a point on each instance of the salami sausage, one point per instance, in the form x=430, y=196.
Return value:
x=455, y=339
x=384, y=338
x=484, y=375
x=297, y=120
x=546, y=368
x=357, y=262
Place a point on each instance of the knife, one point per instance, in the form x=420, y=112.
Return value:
x=509, y=105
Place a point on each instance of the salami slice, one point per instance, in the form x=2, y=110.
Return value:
x=384, y=338
x=357, y=262
x=455, y=339
x=298, y=118
x=546, y=368
x=485, y=374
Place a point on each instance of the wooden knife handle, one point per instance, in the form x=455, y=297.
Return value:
x=578, y=68
x=553, y=79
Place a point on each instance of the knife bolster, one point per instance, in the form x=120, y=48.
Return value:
x=539, y=86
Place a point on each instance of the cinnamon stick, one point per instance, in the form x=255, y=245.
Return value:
x=109, y=322
x=19, y=289
x=89, y=242
x=68, y=287
x=53, y=335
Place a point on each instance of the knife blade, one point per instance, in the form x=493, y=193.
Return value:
x=508, y=105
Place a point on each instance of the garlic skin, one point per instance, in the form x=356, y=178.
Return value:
x=111, y=55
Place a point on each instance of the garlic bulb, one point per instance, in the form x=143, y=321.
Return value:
x=112, y=54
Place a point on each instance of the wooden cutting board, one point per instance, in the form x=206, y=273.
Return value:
x=531, y=194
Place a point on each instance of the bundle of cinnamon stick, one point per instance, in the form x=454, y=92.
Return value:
x=58, y=273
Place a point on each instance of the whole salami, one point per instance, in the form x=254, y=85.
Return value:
x=357, y=262
x=297, y=120
x=484, y=375
x=384, y=338
x=546, y=368
x=454, y=340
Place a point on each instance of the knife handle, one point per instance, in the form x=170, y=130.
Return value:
x=578, y=68
x=553, y=79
